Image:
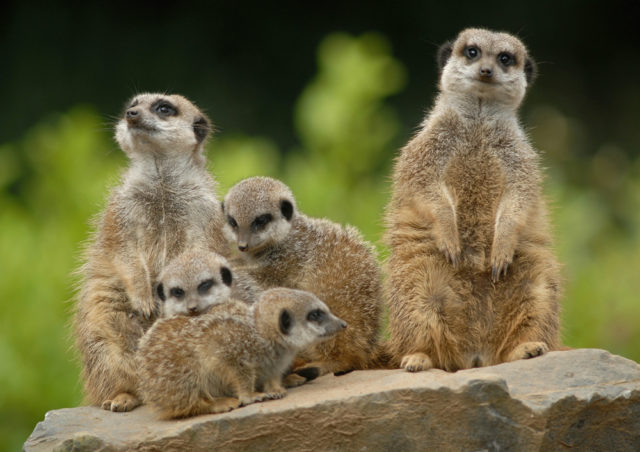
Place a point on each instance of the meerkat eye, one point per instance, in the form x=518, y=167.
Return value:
x=204, y=286
x=261, y=221
x=164, y=108
x=317, y=315
x=177, y=292
x=232, y=222
x=506, y=59
x=471, y=52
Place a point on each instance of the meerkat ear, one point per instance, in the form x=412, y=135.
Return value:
x=285, y=322
x=201, y=128
x=227, y=278
x=444, y=52
x=222, y=206
x=530, y=70
x=286, y=208
x=160, y=291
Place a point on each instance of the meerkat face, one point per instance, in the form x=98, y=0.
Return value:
x=298, y=318
x=193, y=283
x=486, y=65
x=161, y=124
x=258, y=212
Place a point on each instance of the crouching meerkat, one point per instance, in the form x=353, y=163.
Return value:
x=197, y=280
x=233, y=355
x=472, y=277
x=281, y=247
x=166, y=200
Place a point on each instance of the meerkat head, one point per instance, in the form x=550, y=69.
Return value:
x=259, y=211
x=295, y=317
x=163, y=125
x=486, y=65
x=194, y=282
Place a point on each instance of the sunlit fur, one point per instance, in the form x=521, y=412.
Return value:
x=166, y=200
x=233, y=355
x=317, y=255
x=472, y=280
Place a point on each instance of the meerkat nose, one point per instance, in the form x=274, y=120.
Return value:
x=243, y=246
x=343, y=324
x=132, y=115
x=486, y=72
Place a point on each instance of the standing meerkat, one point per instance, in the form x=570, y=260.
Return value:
x=283, y=247
x=165, y=201
x=195, y=281
x=472, y=277
x=233, y=355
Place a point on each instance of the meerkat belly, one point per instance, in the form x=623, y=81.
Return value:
x=477, y=182
x=166, y=222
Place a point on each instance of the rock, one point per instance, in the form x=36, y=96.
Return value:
x=580, y=399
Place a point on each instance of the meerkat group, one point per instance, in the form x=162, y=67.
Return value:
x=168, y=315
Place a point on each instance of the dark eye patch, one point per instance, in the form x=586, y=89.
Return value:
x=506, y=59
x=176, y=292
x=261, y=221
x=317, y=315
x=204, y=286
x=164, y=108
x=232, y=222
x=472, y=52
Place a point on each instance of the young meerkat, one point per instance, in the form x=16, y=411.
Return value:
x=233, y=355
x=472, y=277
x=195, y=281
x=165, y=201
x=280, y=246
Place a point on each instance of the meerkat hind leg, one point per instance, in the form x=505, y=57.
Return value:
x=528, y=350
x=416, y=362
x=121, y=402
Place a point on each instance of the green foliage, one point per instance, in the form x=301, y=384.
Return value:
x=56, y=178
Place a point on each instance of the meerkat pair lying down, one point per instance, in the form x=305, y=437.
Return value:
x=233, y=355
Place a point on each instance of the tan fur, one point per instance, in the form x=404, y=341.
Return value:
x=316, y=255
x=231, y=356
x=166, y=200
x=472, y=278
x=198, y=279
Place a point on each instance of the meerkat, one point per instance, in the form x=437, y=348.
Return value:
x=234, y=355
x=195, y=281
x=282, y=247
x=472, y=280
x=165, y=201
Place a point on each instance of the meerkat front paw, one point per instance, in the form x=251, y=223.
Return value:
x=121, y=403
x=274, y=389
x=528, y=350
x=416, y=362
x=450, y=247
x=501, y=257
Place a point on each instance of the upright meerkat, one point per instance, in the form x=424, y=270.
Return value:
x=196, y=280
x=165, y=201
x=233, y=355
x=283, y=247
x=472, y=278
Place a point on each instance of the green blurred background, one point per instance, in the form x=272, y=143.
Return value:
x=320, y=97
